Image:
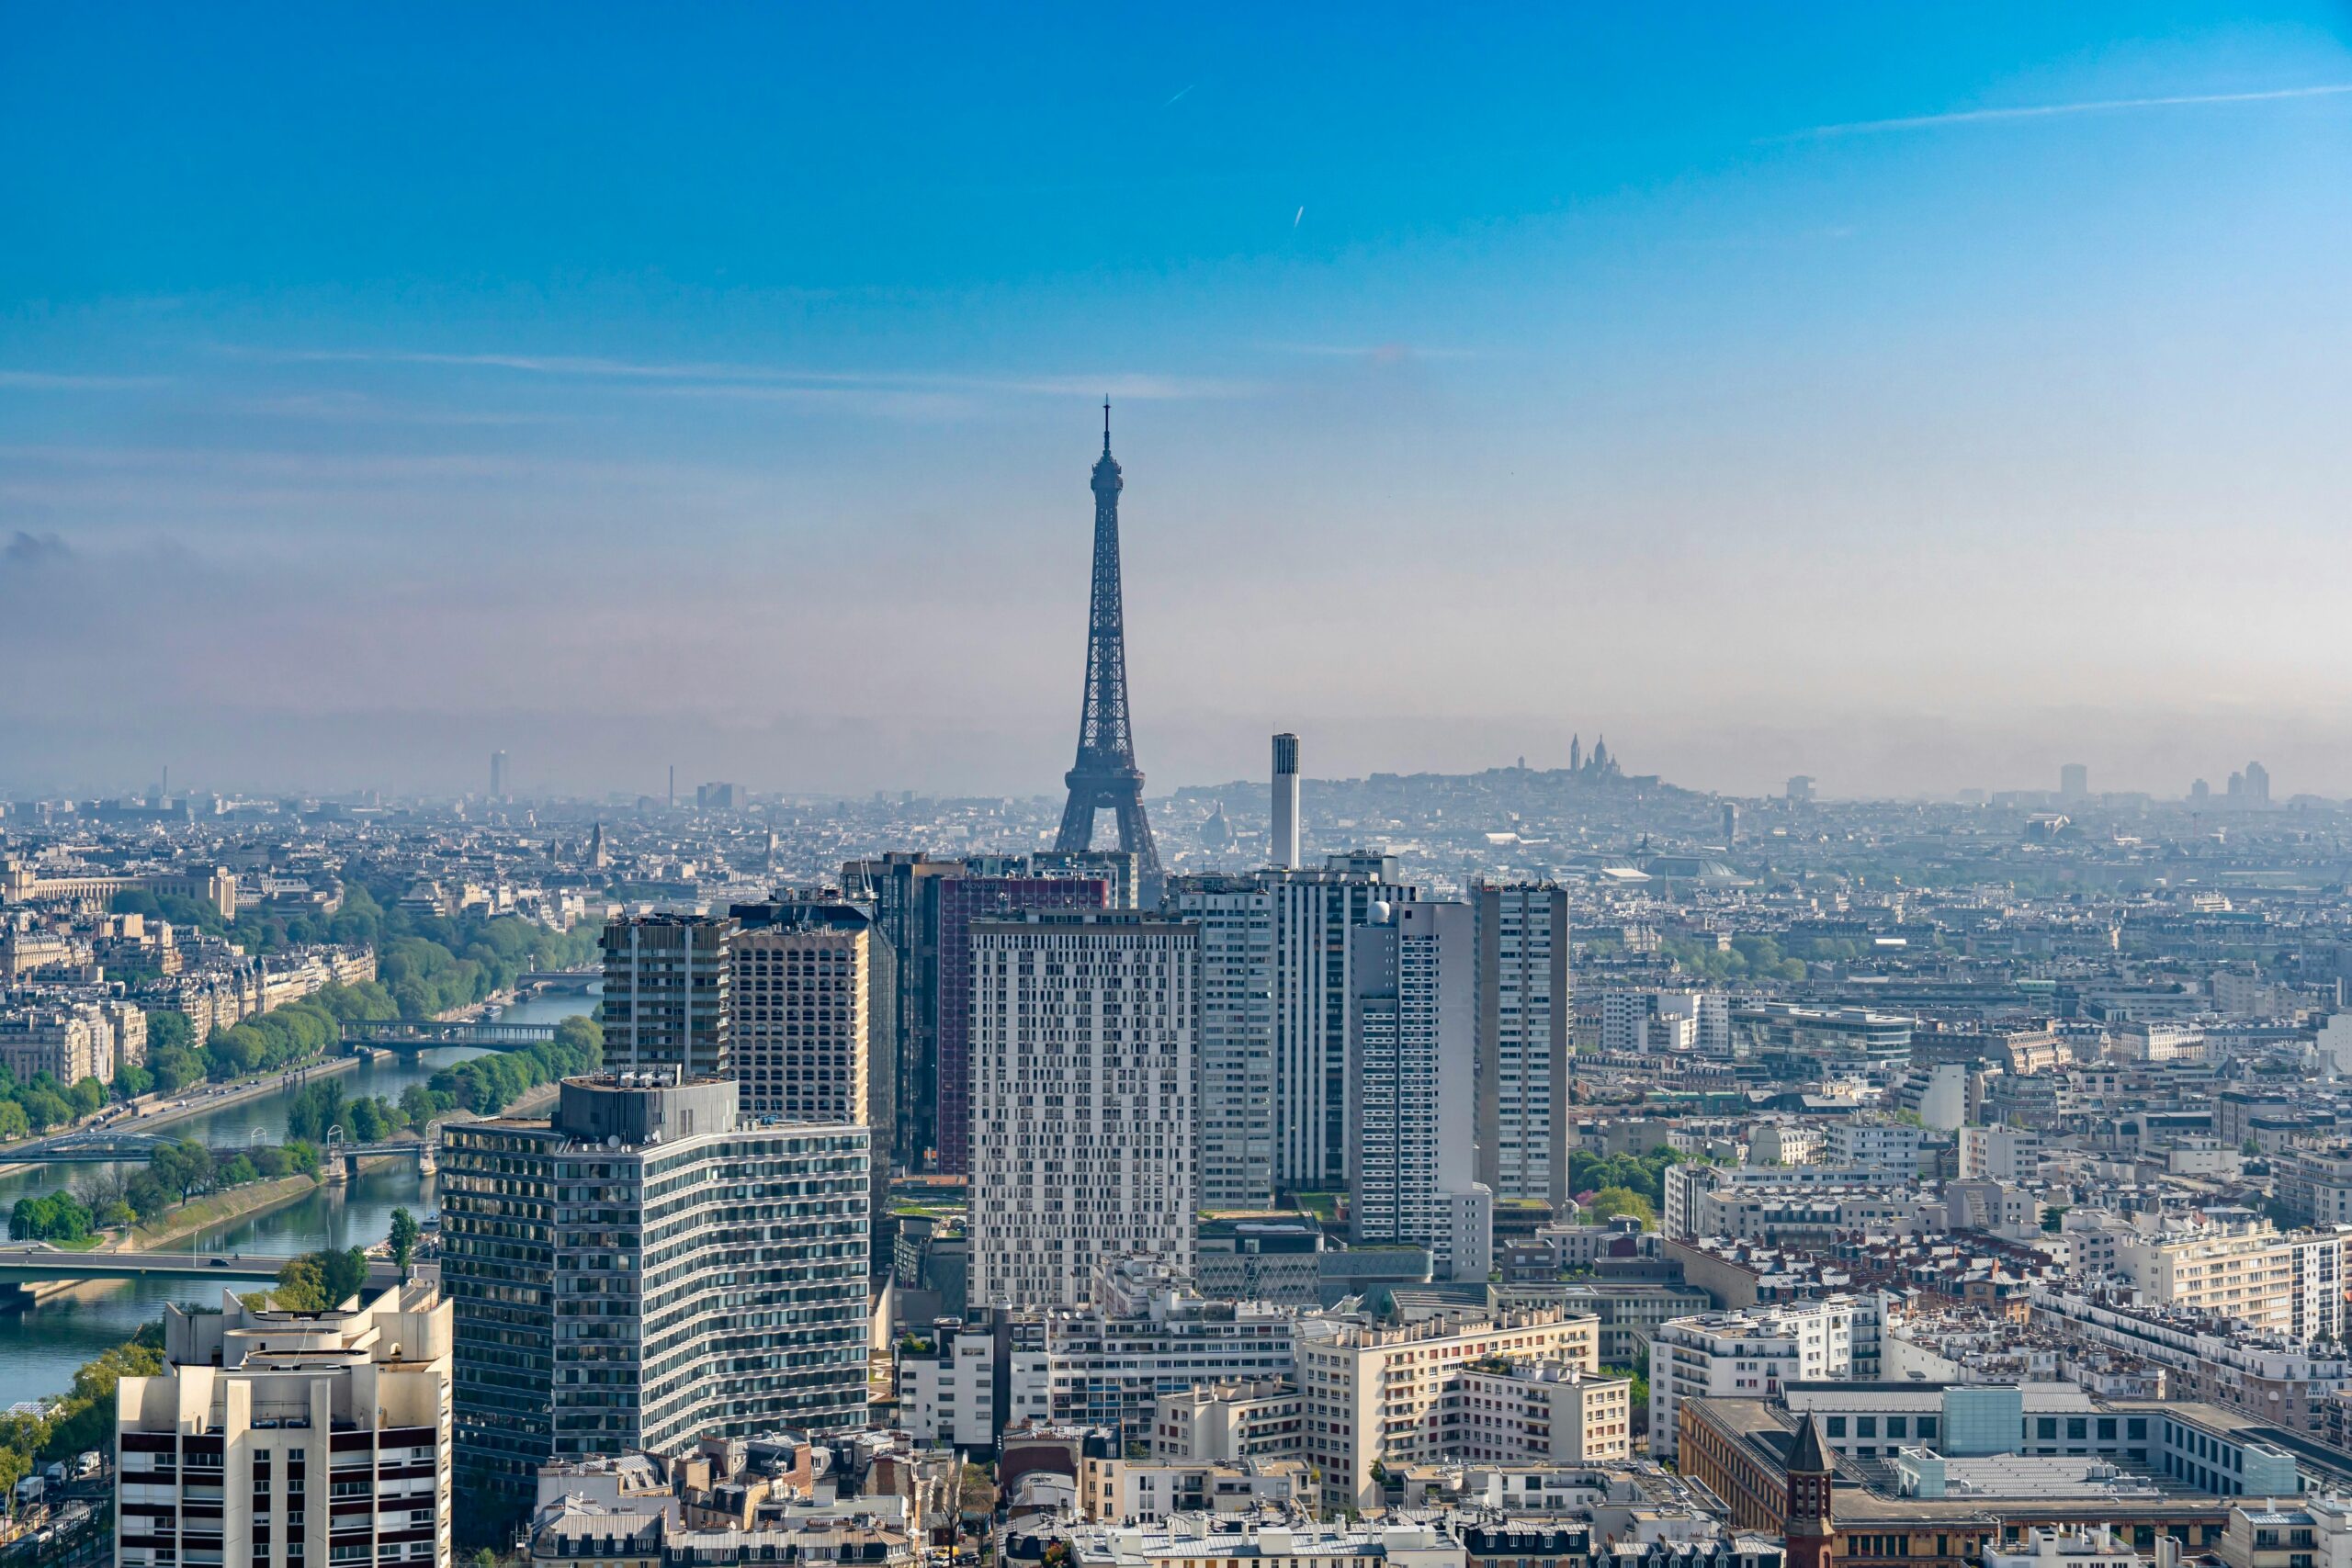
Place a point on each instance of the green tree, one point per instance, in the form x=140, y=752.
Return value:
x=417, y=1105
x=301, y=1284
x=88, y=1097
x=185, y=1166
x=1612, y=1202
x=405, y=1234
x=341, y=1274
x=147, y=1196
x=168, y=1031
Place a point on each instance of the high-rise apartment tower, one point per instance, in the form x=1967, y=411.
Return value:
x=1412, y=1025
x=1525, y=1012
x=262, y=1427
x=1085, y=1040
x=645, y=1268
x=669, y=994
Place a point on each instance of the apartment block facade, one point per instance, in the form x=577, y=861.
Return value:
x=646, y=1268
x=1085, y=1039
x=282, y=1439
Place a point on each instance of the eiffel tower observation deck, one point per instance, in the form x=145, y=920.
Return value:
x=1105, y=776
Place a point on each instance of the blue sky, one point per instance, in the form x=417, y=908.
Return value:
x=1916, y=396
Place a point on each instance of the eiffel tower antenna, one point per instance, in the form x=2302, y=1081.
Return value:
x=1105, y=774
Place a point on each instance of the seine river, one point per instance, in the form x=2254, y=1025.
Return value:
x=41, y=1348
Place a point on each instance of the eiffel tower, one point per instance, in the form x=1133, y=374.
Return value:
x=1106, y=773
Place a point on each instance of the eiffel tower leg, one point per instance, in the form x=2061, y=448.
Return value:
x=1078, y=822
x=1134, y=831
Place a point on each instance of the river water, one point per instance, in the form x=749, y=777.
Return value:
x=42, y=1347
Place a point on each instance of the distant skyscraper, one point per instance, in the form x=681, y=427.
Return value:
x=1313, y=912
x=1284, y=851
x=2200, y=793
x=644, y=1269
x=2074, y=781
x=498, y=775
x=961, y=900
x=1084, y=1058
x=1730, y=824
x=2258, y=786
x=1413, y=1031
x=1235, y=915
x=720, y=796
x=1525, y=1010
x=1105, y=774
x=807, y=1045
x=668, y=1001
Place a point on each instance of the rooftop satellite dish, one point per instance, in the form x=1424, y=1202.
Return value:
x=612, y=1141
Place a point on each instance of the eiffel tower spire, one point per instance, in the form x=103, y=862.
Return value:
x=1106, y=773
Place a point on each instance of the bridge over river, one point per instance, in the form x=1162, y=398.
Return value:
x=133, y=1148
x=23, y=1263
x=406, y=1035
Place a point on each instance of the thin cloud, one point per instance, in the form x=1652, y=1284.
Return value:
x=356, y=408
x=717, y=378
x=2051, y=111
x=48, y=381
x=1378, y=353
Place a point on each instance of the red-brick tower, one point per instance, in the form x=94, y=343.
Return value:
x=1812, y=1538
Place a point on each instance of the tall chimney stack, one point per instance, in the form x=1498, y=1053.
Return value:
x=1285, y=834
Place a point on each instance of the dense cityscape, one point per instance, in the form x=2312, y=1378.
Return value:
x=1701, y=916
x=1522, y=1167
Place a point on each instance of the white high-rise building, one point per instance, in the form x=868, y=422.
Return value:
x=1413, y=1107
x=1525, y=1012
x=1085, y=1046
x=1313, y=912
x=1639, y=1021
x=1235, y=915
x=242, y=1448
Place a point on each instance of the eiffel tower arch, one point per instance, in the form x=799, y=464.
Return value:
x=1106, y=775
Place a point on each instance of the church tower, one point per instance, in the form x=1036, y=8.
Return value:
x=1812, y=1537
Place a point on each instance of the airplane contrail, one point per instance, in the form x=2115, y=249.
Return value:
x=2045, y=111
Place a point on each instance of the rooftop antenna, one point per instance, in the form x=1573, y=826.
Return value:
x=1106, y=424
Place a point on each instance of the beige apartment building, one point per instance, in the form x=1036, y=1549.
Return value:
x=1528, y=1411
x=2288, y=1283
x=1380, y=1396
x=290, y=1438
x=808, y=1046
x=73, y=1041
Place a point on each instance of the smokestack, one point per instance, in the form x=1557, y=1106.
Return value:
x=1285, y=834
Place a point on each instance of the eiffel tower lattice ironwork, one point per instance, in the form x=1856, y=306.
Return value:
x=1105, y=774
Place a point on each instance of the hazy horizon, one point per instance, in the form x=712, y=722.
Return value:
x=1918, y=400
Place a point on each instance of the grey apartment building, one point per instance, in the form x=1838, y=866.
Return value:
x=644, y=1269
